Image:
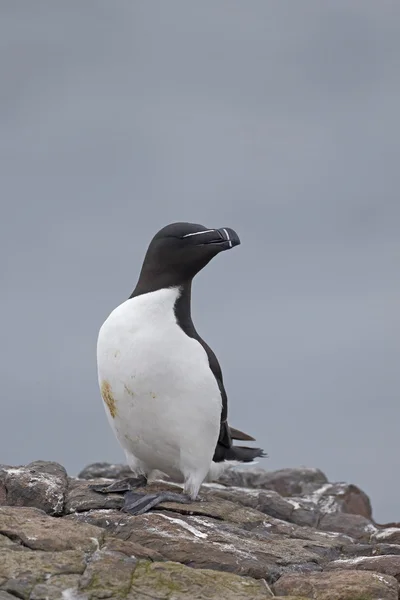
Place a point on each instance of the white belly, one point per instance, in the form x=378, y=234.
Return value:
x=160, y=395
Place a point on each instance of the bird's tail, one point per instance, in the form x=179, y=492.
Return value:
x=245, y=454
x=242, y=454
x=226, y=458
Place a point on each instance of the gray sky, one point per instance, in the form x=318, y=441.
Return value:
x=279, y=119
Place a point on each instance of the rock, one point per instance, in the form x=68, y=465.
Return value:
x=108, y=573
x=176, y=581
x=204, y=543
x=55, y=587
x=39, y=484
x=33, y=529
x=390, y=535
x=388, y=565
x=81, y=498
x=268, y=502
x=223, y=510
x=20, y=572
x=326, y=546
x=103, y=470
x=327, y=543
x=287, y=482
x=114, y=575
x=339, y=585
x=107, y=519
x=288, y=532
x=6, y=596
x=5, y=542
x=385, y=548
x=132, y=549
x=355, y=526
x=308, y=510
x=339, y=497
x=299, y=495
x=3, y=489
x=371, y=549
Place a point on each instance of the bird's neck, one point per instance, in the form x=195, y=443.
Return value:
x=183, y=309
x=151, y=280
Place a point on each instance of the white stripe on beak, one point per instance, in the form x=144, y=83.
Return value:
x=199, y=232
x=228, y=238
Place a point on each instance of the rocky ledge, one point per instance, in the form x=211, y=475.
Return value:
x=254, y=535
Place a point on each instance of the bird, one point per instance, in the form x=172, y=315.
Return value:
x=161, y=383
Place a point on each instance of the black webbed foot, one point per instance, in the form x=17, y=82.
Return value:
x=138, y=504
x=120, y=486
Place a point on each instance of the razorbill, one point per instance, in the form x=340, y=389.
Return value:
x=161, y=383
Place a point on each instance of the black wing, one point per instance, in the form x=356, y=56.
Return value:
x=224, y=449
x=225, y=437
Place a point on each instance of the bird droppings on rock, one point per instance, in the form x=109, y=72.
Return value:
x=60, y=540
x=39, y=484
x=187, y=526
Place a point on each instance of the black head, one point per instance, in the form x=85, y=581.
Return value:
x=179, y=251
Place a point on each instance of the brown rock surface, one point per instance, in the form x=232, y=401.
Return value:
x=80, y=498
x=103, y=470
x=389, y=535
x=40, y=484
x=339, y=585
x=33, y=529
x=355, y=526
x=288, y=533
x=386, y=564
x=287, y=482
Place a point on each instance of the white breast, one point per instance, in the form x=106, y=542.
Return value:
x=161, y=397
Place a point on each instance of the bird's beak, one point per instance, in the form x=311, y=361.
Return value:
x=225, y=238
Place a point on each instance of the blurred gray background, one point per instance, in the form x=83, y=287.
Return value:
x=279, y=119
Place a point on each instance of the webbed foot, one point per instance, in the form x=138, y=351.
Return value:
x=138, y=504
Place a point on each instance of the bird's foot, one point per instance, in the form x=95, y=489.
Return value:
x=138, y=504
x=120, y=486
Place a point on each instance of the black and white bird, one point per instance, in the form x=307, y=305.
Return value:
x=161, y=383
